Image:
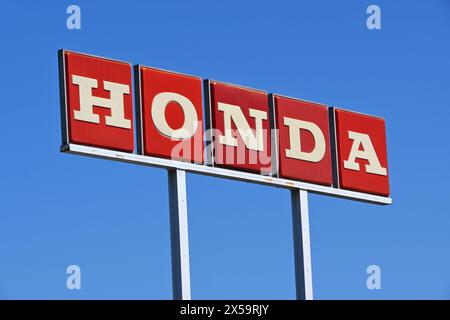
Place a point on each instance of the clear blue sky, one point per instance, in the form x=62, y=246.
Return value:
x=111, y=218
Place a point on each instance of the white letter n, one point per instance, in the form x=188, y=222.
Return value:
x=253, y=141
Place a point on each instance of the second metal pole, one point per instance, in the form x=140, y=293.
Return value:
x=181, y=280
x=302, y=246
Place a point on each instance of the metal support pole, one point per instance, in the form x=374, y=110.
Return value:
x=302, y=247
x=181, y=280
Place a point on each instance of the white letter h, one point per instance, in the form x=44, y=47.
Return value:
x=115, y=103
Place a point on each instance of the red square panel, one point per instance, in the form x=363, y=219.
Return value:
x=240, y=117
x=172, y=116
x=99, y=106
x=303, y=139
x=362, y=155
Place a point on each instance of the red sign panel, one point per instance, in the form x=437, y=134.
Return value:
x=362, y=155
x=97, y=111
x=171, y=115
x=240, y=120
x=303, y=140
x=99, y=107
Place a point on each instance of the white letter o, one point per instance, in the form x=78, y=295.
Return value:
x=159, y=104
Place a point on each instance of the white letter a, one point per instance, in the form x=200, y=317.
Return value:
x=368, y=153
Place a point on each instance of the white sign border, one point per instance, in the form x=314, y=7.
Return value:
x=224, y=173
